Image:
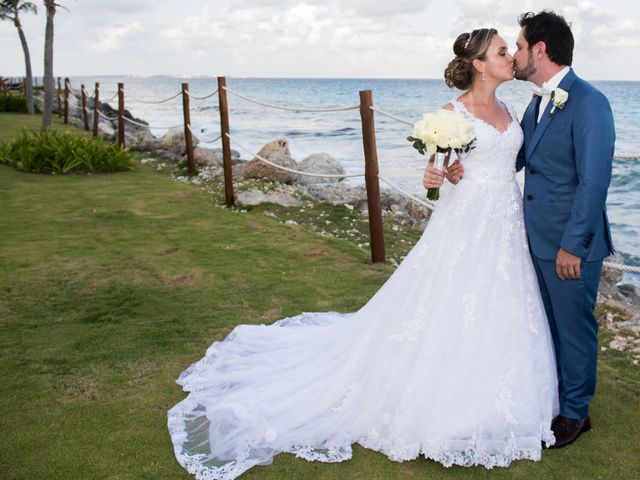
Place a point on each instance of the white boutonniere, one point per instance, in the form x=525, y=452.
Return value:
x=558, y=98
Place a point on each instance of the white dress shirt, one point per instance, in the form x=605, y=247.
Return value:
x=549, y=85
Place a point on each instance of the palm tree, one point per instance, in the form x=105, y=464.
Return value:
x=10, y=10
x=49, y=86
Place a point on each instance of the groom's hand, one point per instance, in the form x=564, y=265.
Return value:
x=433, y=178
x=567, y=265
x=454, y=172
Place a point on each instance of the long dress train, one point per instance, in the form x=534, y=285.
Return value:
x=451, y=358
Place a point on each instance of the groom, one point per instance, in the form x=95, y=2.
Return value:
x=567, y=153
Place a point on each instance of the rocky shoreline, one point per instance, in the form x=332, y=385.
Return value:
x=293, y=190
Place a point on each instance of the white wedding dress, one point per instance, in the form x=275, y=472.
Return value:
x=452, y=358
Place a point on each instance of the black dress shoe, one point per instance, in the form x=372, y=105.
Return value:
x=567, y=430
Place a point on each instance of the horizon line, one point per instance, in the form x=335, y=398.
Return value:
x=251, y=77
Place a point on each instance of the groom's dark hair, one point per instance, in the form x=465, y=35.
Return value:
x=553, y=30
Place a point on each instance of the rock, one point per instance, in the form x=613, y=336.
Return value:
x=149, y=144
x=173, y=141
x=105, y=128
x=237, y=169
x=138, y=137
x=631, y=292
x=256, y=197
x=612, y=275
x=203, y=156
x=337, y=193
x=390, y=197
x=319, y=163
x=212, y=156
x=278, y=153
x=167, y=155
x=219, y=158
x=417, y=212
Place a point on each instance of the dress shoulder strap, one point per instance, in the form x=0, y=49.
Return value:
x=511, y=110
x=460, y=108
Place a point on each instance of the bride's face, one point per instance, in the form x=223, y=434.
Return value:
x=498, y=62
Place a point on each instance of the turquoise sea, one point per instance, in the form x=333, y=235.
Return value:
x=339, y=133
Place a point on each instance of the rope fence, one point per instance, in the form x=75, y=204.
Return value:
x=424, y=203
x=203, y=98
x=155, y=102
x=212, y=141
x=623, y=267
x=372, y=175
x=388, y=115
x=155, y=127
x=111, y=119
x=205, y=141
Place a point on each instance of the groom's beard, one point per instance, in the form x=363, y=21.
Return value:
x=526, y=72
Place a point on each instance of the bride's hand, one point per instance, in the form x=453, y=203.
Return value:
x=433, y=178
x=454, y=172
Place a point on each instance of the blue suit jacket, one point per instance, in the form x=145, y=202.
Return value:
x=567, y=159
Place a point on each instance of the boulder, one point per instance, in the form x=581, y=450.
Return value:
x=212, y=156
x=166, y=155
x=173, y=141
x=106, y=129
x=256, y=197
x=139, y=138
x=149, y=144
x=417, y=212
x=219, y=157
x=390, y=197
x=319, y=163
x=278, y=153
x=204, y=156
x=337, y=193
x=609, y=275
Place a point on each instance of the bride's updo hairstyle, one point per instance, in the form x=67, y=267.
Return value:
x=467, y=47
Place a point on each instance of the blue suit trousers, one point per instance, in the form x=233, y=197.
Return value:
x=574, y=329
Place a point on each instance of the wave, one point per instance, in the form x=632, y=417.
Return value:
x=346, y=131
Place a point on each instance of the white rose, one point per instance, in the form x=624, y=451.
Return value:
x=560, y=97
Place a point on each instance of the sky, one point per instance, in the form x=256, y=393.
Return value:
x=304, y=38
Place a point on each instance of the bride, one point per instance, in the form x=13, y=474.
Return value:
x=451, y=358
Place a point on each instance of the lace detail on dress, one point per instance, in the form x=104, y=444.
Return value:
x=451, y=358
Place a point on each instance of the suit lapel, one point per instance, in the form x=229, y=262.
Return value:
x=546, y=119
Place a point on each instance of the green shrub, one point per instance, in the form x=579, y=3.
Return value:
x=64, y=153
x=10, y=102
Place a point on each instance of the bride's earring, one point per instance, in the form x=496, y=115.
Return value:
x=484, y=79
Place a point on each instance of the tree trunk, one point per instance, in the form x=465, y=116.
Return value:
x=27, y=61
x=48, y=65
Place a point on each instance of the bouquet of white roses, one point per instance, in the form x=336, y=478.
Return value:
x=438, y=134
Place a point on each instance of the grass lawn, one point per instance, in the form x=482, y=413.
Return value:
x=112, y=284
x=11, y=123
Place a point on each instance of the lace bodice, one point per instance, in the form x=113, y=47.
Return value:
x=493, y=157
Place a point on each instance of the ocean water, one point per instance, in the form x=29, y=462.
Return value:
x=339, y=133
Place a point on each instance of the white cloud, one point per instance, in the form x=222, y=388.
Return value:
x=405, y=38
x=112, y=38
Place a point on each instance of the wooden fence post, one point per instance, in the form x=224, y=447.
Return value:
x=85, y=113
x=2, y=87
x=371, y=176
x=226, y=142
x=121, y=115
x=66, y=100
x=96, y=109
x=188, y=138
x=59, y=95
